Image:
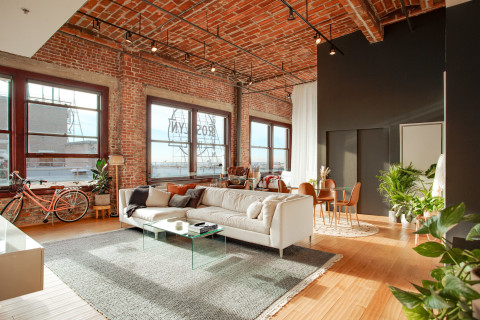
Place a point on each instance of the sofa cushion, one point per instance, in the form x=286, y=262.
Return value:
x=254, y=209
x=157, y=198
x=229, y=218
x=179, y=189
x=195, y=197
x=213, y=196
x=238, y=201
x=179, y=201
x=268, y=209
x=154, y=213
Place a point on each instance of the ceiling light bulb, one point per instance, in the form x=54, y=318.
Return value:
x=250, y=81
x=289, y=95
x=291, y=16
x=332, y=51
x=212, y=68
x=318, y=40
x=154, y=47
x=128, y=37
x=187, y=57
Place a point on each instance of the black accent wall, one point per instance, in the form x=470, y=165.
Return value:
x=463, y=109
x=381, y=85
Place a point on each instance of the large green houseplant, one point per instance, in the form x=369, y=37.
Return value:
x=449, y=294
x=397, y=186
x=101, y=186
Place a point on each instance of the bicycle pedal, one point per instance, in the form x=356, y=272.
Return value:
x=45, y=220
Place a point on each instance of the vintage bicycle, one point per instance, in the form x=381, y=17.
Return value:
x=67, y=205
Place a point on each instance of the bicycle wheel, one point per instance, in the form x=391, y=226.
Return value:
x=12, y=209
x=71, y=205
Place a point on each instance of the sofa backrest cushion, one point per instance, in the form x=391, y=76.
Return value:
x=213, y=196
x=237, y=201
x=157, y=198
x=254, y=209
x=268, y=209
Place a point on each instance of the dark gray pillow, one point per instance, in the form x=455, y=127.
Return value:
x=195, y=197
x=179, y=201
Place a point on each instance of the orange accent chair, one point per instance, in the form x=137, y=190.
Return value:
x=307, y=189
x=352, y=202
x=238, y=172
x=327, y=196
x=282, y=187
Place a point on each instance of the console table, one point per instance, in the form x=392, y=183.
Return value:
x=21, y=262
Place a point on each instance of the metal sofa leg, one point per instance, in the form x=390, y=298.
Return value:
x=281, y=253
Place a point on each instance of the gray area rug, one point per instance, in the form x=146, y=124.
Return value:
x=113, y=273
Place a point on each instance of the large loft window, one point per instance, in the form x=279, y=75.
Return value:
x=178, y=152
x=51, y=128
x=63, y=137
x=5, y=94
x=269, y=145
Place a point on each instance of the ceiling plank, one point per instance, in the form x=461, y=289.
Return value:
x=365, y=17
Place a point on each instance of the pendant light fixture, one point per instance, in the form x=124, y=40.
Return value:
x=187, y=57
x=318, y=40
x=212, y=67
x=291, y=16
x=154, y=46
x=250, y=79
x=332, y=48
x=128, y=37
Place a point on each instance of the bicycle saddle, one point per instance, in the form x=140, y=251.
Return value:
x=57, y=187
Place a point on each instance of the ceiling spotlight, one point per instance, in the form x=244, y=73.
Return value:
x=128, y=37
x=212, y=67
x=318, y=40
x=250, y=81
x=332, y=51
x=154, y=46
x=187, y=57
x=96, y=25
x=291, y=16
x=289, y=95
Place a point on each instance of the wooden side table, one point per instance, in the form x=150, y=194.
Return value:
x=102, y=210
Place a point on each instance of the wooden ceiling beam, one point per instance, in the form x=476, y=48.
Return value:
x=365, y=17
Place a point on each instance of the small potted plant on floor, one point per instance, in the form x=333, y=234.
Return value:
x=397, y=186
x=101, y=186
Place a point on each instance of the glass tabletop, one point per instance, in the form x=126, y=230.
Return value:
x=180, y=227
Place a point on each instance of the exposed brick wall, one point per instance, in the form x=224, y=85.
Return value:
x=127, y=105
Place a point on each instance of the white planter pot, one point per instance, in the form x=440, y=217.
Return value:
x=102, y=199
x=406, y=224
x=392, y=216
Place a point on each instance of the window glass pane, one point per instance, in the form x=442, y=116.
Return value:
x=279, y=160
x=49, y=144
x=58, y=120
x=50, y=94
x=259, y=134
x=4, y=158
x=60, y=169
x=210, y=160
x=170, y=124
x=259, y=157
x=279, y=137
x=210, y=128
x=4, y=95
x=169, y=160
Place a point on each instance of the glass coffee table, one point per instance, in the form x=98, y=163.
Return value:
x=205, y=247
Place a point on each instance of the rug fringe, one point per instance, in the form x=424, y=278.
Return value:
x=283, y=300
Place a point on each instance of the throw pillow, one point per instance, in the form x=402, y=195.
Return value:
x=179, y=201
x=237, y=180
x=179, y=189
x=272, y=197
x=268, y=209
x=195, y=197
x=157, y=198
x=254, y=209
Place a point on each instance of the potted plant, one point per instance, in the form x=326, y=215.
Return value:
x=449, y=294
x=397, y=185
x=101, y=187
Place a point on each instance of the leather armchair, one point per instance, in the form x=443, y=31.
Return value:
x=237, y=171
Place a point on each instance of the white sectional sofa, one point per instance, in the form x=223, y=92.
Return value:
x=290, y=222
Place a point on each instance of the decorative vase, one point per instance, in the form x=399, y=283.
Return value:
x=102, y=199
x=321, y=184
x=392, y=215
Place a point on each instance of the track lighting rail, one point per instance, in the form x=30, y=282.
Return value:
x=277, y=88
x=130, y=33
x=310, y=25
x=226, y=41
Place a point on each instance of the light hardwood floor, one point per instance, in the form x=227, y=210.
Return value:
x=354, y=288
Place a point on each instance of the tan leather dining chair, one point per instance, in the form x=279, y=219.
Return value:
x=352, y=202
x=307, y=189
x=282, y=187
x=327, y=196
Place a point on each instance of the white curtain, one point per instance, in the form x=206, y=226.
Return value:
x=304, y=133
